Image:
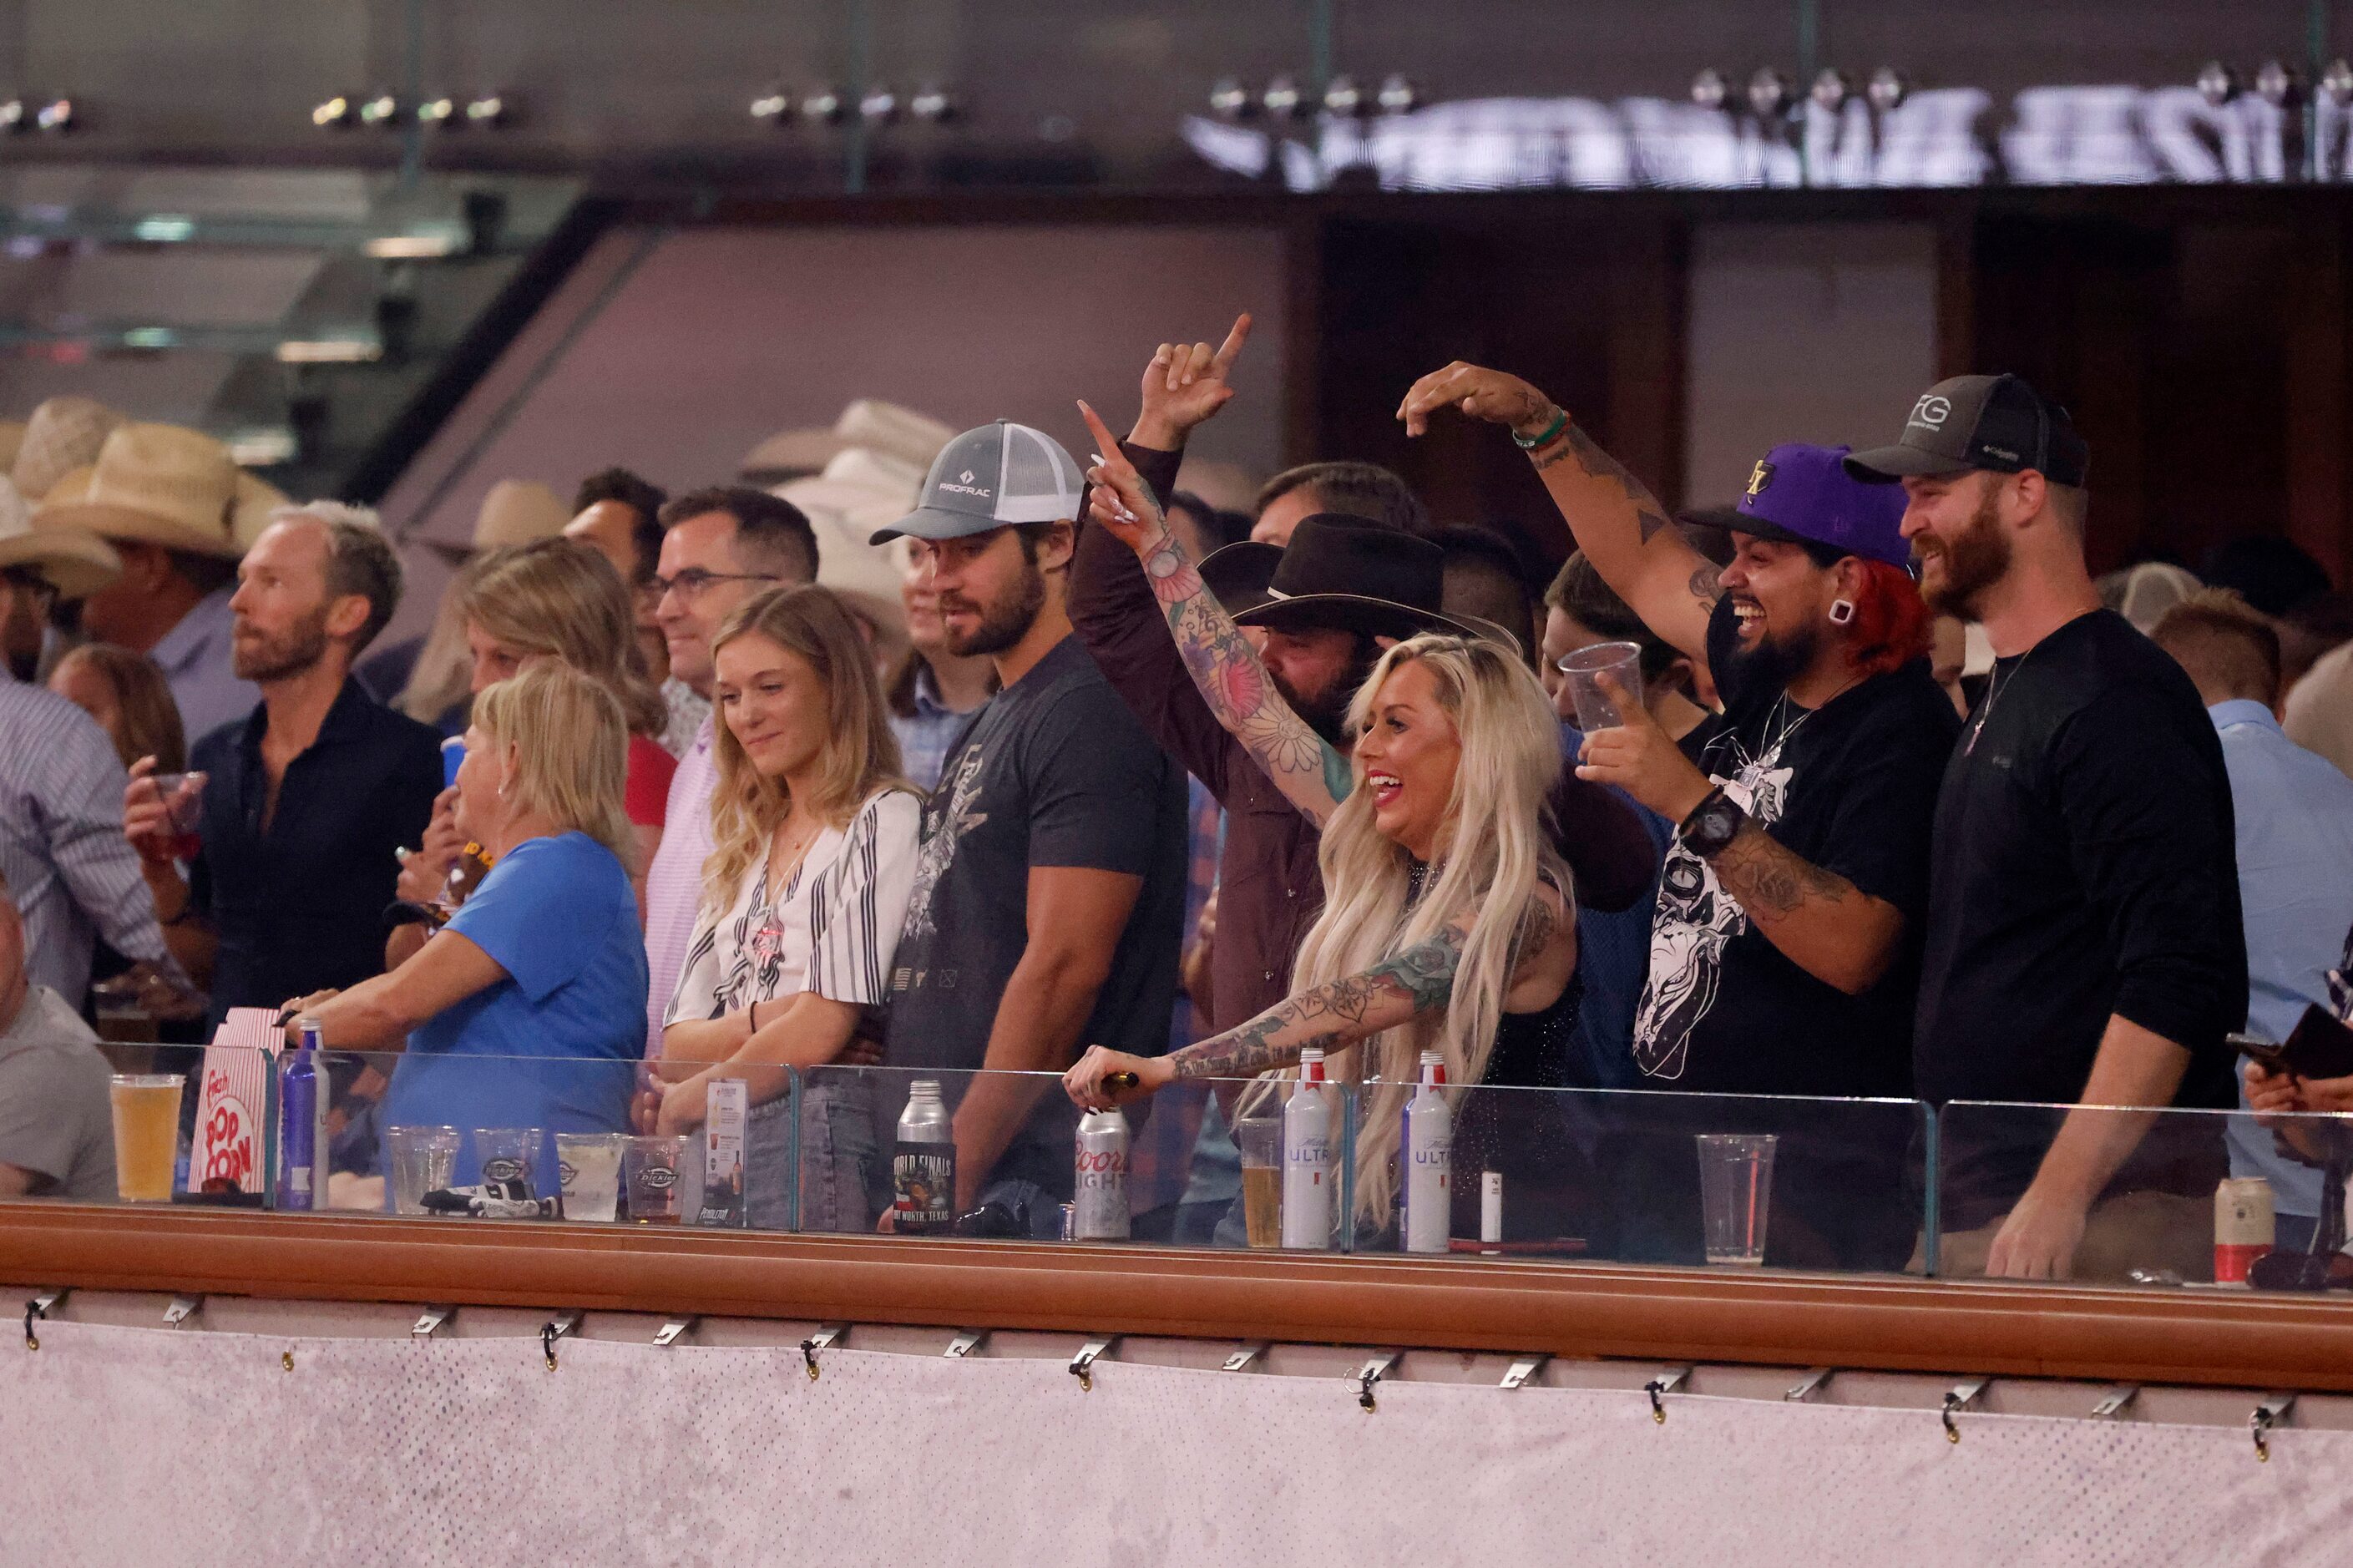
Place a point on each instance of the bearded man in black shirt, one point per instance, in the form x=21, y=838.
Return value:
x=1785, y=944
x=2084, y=941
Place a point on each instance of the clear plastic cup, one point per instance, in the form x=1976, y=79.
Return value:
x=1596, y=708
x=1260, y=1141
x=650, y=1174
x=421, y=1160
x=146, y=1108
x=1736, y=1196
x=510, y=1153
x=589, y=1164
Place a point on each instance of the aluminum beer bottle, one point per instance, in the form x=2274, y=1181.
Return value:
x=1429, y=1161
x=302, y=1122
x=923, y=1165
x=1099, y=1206
x=1307, y=1183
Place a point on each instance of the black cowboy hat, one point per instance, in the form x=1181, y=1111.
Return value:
x=1341, y=571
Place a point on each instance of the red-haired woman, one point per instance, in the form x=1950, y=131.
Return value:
x=1784, y=941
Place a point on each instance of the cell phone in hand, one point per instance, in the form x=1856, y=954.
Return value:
x=2319, y=1045
x=2269, y=1055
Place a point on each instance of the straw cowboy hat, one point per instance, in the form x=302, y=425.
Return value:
x=62, y=435
x=859, y=492
x=74, y=561
x=161, y=484
x=869, y=423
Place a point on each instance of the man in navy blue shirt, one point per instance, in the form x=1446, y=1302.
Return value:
x=305, y=800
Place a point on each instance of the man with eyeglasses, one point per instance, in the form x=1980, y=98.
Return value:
x=721, y=548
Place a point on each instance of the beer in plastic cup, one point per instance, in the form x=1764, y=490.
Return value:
x=590, y=1165
x=423, y=1160
x=649, y=1169
x=1259, y=1139
x=1596, y=708
x=1736, y=1196
x=146, y=1134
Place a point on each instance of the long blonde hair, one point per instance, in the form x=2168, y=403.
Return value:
x=558, y=598
x=862, y=754
x=1493, y=849
x=441, y=675
x=571, y=750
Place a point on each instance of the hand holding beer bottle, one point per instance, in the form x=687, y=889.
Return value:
x=1105, y=1078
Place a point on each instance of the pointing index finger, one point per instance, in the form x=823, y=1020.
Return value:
x=1232, y=346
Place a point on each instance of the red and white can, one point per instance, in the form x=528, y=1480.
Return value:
x=1099, y=1209
x=2244, y=1227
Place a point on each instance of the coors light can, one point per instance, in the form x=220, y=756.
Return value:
x=1099, y=1209
x=2244, y=1227
x=923, y=1167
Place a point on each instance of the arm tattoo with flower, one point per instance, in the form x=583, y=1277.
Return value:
x=1337, y=1015
x=1311, y=774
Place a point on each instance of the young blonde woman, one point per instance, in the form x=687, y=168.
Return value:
x=545, y=960
x=1445, y=922
x=815, y=838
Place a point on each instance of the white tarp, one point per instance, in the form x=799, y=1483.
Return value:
x=186, y=1449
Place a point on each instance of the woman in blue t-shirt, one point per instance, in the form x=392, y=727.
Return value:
x=528, y=1009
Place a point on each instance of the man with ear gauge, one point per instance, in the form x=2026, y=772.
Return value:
x=2084, y=935
x=1785, y=943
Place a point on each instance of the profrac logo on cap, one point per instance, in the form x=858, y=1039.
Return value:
x=1930, y=412
x=964, y=487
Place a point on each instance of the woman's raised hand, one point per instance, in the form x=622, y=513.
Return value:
x=1121, y=501
x=1483, y=394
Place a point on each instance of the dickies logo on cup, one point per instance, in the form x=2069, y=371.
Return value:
x=659, y=1178
x=503, y=1170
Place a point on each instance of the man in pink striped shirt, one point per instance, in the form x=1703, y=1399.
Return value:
x=721, y=548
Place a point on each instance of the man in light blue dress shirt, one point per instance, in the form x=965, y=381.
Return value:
x=2295, y=816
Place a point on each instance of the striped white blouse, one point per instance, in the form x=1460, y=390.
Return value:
x=832, y=928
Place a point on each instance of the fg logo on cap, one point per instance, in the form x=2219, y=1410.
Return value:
x=1759, y=477
x=1931, y=411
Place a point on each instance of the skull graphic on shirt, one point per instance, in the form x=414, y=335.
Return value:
x=946, y=819
x=1695, y=919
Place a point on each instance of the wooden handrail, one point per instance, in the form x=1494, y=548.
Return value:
x=2231, y=1339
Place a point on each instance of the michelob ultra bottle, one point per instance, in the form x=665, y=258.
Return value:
x=1307, y=1183
x=1429, y=1161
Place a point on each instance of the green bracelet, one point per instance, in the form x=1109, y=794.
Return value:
x=1551, y=432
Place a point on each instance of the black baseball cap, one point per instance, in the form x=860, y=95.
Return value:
x=1993, y=422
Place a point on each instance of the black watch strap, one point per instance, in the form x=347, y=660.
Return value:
x=1712, y=825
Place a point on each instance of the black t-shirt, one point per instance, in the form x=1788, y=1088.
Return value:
x=1055, y=770
x=1850, y=786
x=2085, y=866
x=300, y=906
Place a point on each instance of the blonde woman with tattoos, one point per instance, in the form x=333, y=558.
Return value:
x=1445, y=923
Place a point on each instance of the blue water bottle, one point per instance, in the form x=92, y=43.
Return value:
x=302, y=1141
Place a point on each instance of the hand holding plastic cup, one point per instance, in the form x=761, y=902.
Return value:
x=1736, y=1194
x=1598, y=708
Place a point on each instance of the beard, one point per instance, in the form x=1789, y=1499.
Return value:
x=1777, y=660
x=1974, y=560
x=1003, y=623
x=300, y=648
x=1326, y=711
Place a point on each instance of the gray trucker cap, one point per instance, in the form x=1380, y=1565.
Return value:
x=999, y=474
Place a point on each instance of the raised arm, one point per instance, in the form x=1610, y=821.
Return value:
x=1310, y=773
x=1619, y=523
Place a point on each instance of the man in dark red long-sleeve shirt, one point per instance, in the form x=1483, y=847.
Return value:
x=1269, y=886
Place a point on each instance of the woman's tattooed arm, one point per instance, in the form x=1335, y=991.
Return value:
x=1332, y=1017
x=1312, y=775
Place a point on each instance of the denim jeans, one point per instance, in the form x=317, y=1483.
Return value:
x=839, y=1157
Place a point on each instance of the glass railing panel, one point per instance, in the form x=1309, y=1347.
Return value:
x=2191, y=1198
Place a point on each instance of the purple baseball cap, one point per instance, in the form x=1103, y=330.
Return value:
x=1805, y=495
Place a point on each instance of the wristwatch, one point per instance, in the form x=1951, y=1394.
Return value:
x=1712, y=825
